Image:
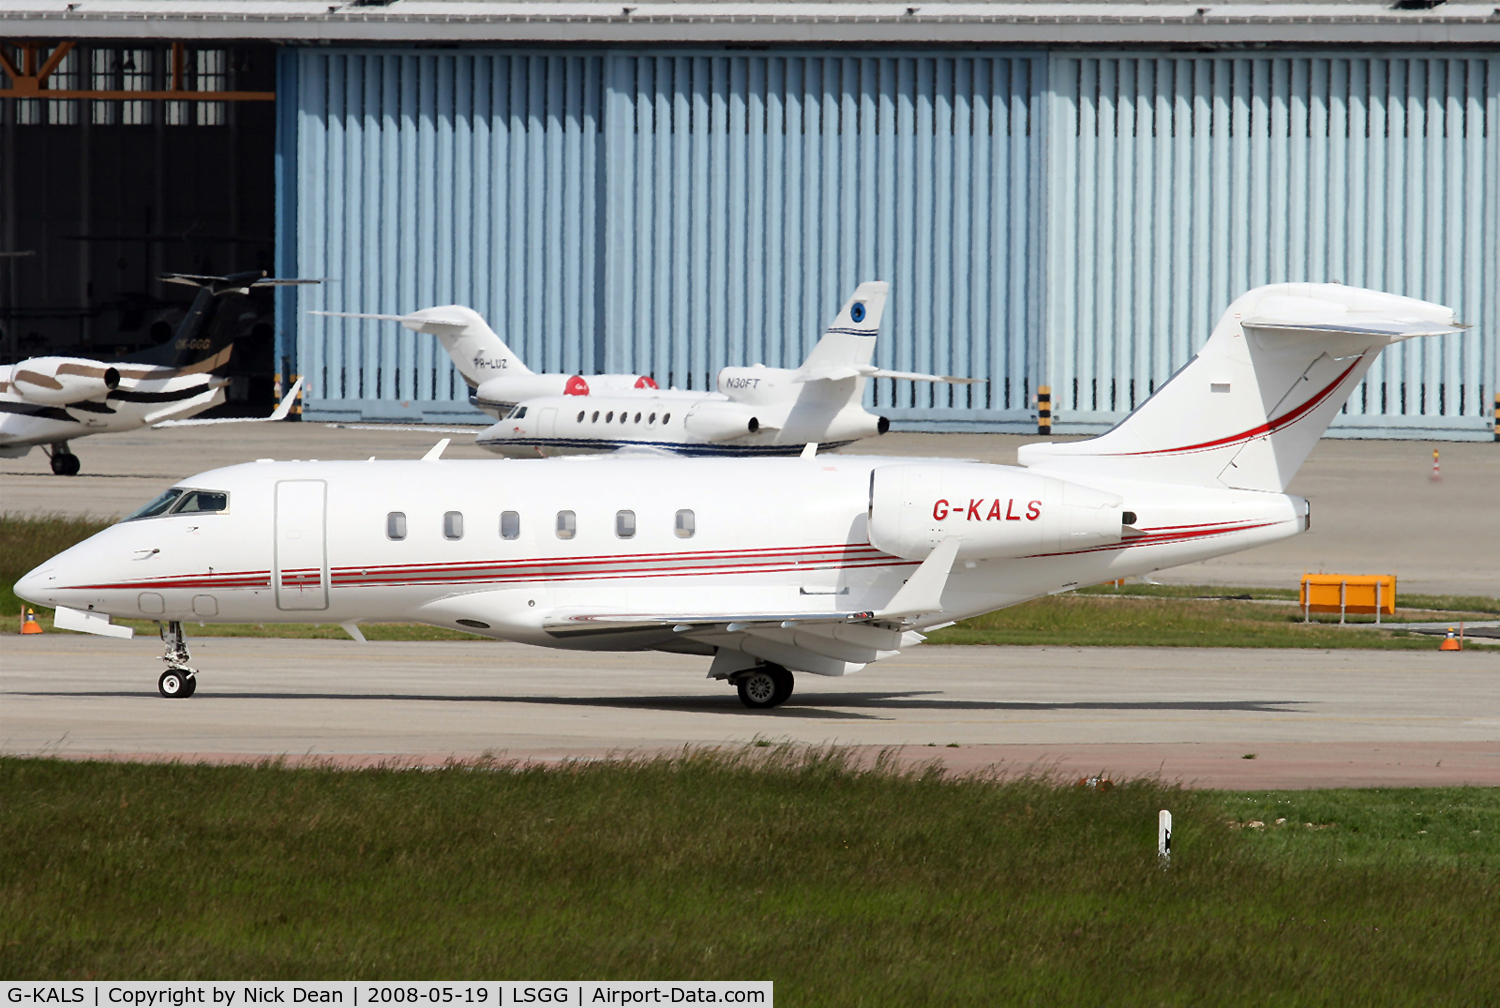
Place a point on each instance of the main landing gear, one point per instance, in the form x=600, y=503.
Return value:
x=764, y=686
x=64, y=462
x=180, y=680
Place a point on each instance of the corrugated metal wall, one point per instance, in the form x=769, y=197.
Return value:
x=667, y=214
x=1180, y=182
x=1078, y=220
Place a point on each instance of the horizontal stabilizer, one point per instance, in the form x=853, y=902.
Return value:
x=238, y=280
x=416, y=323
x=838, y=372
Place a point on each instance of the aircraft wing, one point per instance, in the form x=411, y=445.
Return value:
x=280, y=413
x=921, y=595
x=837, y=372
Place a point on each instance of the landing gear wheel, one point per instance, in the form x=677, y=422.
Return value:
x=176, y=683
x=764, y=687
x=64, y=462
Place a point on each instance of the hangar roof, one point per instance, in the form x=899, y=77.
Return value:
x=1015, y=23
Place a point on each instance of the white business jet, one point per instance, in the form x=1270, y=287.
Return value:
x=755, y=410
x=50, y=401
x=768, y=567
x=497, y=378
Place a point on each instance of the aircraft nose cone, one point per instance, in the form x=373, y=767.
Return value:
x=33, y=584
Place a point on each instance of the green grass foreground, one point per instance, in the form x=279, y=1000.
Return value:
x=844, y=885
x=1135, y=615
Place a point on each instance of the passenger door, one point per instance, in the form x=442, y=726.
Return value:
x=300, y=574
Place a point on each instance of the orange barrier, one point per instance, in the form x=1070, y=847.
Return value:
x=1347, y=593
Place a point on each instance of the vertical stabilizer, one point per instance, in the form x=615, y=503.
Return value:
x=476, y=351
x=849, y=341
x=1246, y=411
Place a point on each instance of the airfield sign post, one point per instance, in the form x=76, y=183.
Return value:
x=1164, y=837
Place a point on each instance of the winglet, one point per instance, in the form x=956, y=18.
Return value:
x=284, y=408
x=435, y=453
x=923, y=592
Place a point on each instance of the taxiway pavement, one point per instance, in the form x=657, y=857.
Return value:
x=1375, y=508
x=1309, y=718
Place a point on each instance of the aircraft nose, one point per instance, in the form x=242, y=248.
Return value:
x=33, y=584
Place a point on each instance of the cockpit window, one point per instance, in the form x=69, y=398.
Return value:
x=179, y=500
x=160, y=506
x=516, y=414
x=199, y=501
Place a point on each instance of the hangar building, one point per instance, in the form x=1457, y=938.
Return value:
x=1063, y=195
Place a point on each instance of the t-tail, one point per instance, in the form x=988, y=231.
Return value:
x=1246, y=411
x=477, y=352
x=204, y=340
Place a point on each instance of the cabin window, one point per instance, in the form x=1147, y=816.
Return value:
x=453, y=525
x=510, y=525
x=567, y=524
x=624, y=417
x=685, y=525
x=595, y=417
x=625, y=524
x=667, y=418
x=395, y=525
x=637, y=418
x=159, y=506
x=609, y=417
x=580, y=416
x=202, y=501
x=651, y=419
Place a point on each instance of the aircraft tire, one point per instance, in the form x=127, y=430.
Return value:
x=65, y=464
x=177, y=684
x=765, y=686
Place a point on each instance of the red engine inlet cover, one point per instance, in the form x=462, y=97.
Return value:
x=576, y=386
x=646, y=381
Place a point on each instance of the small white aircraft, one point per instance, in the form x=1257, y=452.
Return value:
x=769, y=567
x=497, y=378
x=50, y=401
x=755, y=411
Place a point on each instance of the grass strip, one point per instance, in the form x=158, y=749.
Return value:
x=845, y=884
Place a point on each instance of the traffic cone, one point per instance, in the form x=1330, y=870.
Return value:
x=29, y=625
x=1450, y=642
x=1437, y=474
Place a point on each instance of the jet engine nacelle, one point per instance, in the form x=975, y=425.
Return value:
x=720, y=421
x=997, y=514
x=620, y=382
x=757, y=385
x=57, y=381
x=507, y=390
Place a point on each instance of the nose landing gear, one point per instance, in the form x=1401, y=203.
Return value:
x=180, y=680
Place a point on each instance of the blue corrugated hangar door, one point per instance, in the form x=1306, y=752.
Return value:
x=747, y=195
x=667, y=213
x=424, y=179
x=1179, y=182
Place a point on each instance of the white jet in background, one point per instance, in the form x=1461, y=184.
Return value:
x=755, y=411
x=497, y=378
x=50, y=401
x=767, y=567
